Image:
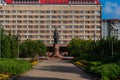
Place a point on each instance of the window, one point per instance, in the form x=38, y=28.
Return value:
x=81, y=16
x=7, y=11
x=41, y=36
x=7, y=16
x=7, y=21
x=98, y=27
x=19, y=21
x=41, y=26
x=97, y=12
x=1, y=21
x=25, y=31
x=30, y=31
x=30, y=26
x=81, y=26
x=41, y=16
x=30, y=36
x=64, y=31
x=14, y=11
x=24, y=16
x=19, y=16
x=81, y=12
x=25, y=36
x=48, y=36
x=1, y=11
x=19, y=26
x=48, y=26
x=14, y=16
x=62, y=26
x=47, y=11
x=41, y=31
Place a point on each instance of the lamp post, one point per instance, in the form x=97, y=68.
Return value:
x=94, y=36
x=112, y=46
x=0, y=39
x=18, y=43
x=113, y=27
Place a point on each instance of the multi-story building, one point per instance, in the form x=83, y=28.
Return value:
x=37, y=19
x=111, y=28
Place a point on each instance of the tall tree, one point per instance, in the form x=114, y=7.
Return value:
x=5, y=45
x=31, y=48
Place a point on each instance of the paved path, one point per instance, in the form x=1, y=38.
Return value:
x=55, y=70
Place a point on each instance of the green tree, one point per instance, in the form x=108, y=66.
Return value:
x=8, y=45
x=5, y=46
x=77, y=47
x=31, y=48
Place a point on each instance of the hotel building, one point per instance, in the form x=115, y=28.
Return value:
x=37, y=19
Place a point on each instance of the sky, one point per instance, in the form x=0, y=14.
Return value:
x=110, y=9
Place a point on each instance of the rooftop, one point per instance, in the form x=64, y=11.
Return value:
x=52, y=1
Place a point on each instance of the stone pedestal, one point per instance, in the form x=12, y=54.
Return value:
x=56, y=51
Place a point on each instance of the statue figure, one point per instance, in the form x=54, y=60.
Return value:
x=56, y=36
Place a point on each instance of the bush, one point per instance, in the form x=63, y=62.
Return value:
x=106, y=71
x=13, y=66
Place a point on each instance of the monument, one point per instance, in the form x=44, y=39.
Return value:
x=56, y=46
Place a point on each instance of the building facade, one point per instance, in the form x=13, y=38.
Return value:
x=37, y=19
x=111, y=28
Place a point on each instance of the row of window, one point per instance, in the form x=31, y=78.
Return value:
x=59, y=31
x=51, y=17
x=51, y=21
x=52, y=27
x=51, y=11
x=61, y=37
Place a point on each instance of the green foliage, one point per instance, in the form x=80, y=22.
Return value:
x=14, y=46
x=5, y=47
x=8, y=45
x=101, y=50
x=31, y=48
x=99, y=54
x=77, y=47
x=13, y=66
x=106, y=71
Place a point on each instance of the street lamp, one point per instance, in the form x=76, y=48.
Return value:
x=0, y=39
x=94, y=36
x=113, y=28
x=17, y=35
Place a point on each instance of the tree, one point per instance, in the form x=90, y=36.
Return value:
x=31, y=48
x=77, y=47
x=8, y=45
x=5, y=45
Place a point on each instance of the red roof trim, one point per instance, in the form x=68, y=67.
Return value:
x=53, y=1
x=9, y=1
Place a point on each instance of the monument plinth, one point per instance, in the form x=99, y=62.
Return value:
x=56, y=46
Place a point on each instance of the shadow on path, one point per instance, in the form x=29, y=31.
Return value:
x=40, y=78
x=64, y=69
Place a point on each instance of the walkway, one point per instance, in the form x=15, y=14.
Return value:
x=55, y=70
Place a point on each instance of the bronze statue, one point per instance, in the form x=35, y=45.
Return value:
x=56, y=36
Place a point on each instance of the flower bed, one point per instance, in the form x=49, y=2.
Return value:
x=8, y=67
x=4, y=76
x=34, y=61
x=109, y=71
x=82, y=63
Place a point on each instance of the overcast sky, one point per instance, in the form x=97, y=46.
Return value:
x=110, y=9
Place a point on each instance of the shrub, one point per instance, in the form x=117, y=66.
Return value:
x=13, y=66
x=106, y=71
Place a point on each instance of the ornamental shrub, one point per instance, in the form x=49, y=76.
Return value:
x=13, y=66
x=106, y=71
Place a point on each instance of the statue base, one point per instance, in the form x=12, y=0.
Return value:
x=56, y=53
